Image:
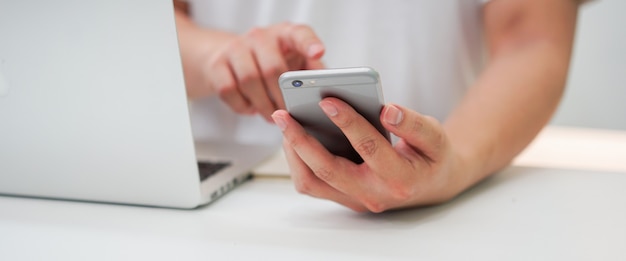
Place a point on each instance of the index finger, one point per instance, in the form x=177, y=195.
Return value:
x=302, y=39
x=326, y=166
x=373, y=147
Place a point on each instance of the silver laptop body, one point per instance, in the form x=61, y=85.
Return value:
x=93, y=107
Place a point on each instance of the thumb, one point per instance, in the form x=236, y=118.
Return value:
x=423, y=133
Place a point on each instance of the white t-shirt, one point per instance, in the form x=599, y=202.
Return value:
x=427, y=52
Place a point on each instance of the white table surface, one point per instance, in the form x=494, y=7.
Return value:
x=531, y=211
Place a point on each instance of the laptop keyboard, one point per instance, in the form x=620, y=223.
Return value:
x=208, y=169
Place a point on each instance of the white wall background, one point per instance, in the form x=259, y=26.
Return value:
x=596, y=92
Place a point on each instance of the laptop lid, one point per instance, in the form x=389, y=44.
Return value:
x=92, y=103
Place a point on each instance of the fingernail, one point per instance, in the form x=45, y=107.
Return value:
x=328, y=108
x=393, y=115
x=280, y=122
x=314, y=50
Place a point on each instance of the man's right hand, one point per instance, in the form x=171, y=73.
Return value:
x=244, y=69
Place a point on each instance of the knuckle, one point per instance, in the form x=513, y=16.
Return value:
x=235, y=45
x=439, y=138
x=214, y=62
x=299, y=27
x=293, y=141
x=324, y=173
x=367, y=146
x=240, y=108
x=226, y=90
x=359, y=209
x=246, y=79
x=297, y=140
x=374, y=205
x=266, y=110
x=418, y=125
x=432, y=122
x=229, y=95
x=344, y=122
x=271, y=73
x=303, y=189
x=401, y=191
x=303, y=186
x=256, y=33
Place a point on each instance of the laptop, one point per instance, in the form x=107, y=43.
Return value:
x=93, y=108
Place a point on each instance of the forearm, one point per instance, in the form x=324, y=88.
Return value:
x=508, y=106
x=196, y=44
x=530, y=44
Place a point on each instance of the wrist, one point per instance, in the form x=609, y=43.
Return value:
x=469, y=162
x=466, y=169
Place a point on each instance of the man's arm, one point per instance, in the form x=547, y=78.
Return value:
x=196, y=46
x=530, y=44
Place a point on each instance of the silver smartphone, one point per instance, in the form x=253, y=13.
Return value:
x=360, y=87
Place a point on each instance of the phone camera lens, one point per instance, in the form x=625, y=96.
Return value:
x=296, y=83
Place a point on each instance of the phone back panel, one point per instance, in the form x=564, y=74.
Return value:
x=359, y=87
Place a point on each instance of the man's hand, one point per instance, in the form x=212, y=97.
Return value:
x=421, y=169
x=244, y=69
